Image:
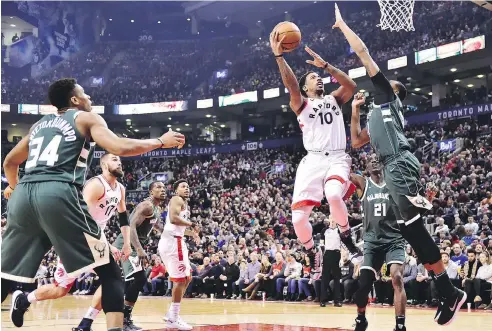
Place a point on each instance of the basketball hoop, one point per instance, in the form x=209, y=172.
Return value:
x=396, y=15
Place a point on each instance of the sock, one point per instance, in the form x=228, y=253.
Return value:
x=31, y=297
x=128, y=311
x=361, y=316
x=89, y=317
x=443, y=284
x=174, y=311
x=400, y=322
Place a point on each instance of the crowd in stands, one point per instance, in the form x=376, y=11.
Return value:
x=136, y=72
x=248, y=246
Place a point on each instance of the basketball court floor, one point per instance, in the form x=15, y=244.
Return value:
x=228, y=315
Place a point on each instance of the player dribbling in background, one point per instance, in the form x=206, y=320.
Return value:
x=326, y=167
x=174, y=252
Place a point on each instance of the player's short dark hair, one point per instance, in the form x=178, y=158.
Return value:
x=402, y=90
x=154, y=183
x=60, y=92
x=302, y=82
x=179, y=181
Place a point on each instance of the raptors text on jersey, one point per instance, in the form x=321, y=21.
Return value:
x=321, y=122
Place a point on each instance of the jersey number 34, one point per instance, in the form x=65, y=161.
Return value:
x=49, y=154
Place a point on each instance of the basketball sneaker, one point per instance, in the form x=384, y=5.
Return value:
x=361, y=324
x=449, y=307
x=20, y=305
x=178, y=324
x=129, y=326
x=81, y=329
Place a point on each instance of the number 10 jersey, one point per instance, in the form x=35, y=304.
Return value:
x=321, y=122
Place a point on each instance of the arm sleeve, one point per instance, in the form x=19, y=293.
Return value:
x=384, y=91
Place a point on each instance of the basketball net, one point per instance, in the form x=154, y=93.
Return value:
x=396, y=15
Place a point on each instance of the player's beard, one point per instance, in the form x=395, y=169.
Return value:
x=116, y=172
x=320, y=92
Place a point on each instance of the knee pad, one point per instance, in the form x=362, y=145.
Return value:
x=334, y=190
x=302, y=227
x=112, y=296
x=366, y=279
x=421, y=241
x=135, y=286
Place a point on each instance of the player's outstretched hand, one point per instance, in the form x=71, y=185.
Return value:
x=276, y=44
x=142, y=257
x=125, y=252
x=172, y=139
x=8, y=192
x=359, y=99
x=338, y=17
x=317, y=61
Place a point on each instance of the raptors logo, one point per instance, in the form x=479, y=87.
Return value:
x=181, y=267
x=60, y=272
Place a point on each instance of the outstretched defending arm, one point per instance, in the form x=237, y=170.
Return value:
x=345, y=92
x=360, y=184
x=358, y=137
x=288, y=77
x=143, y=211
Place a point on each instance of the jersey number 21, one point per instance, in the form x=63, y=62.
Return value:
x=380, y=209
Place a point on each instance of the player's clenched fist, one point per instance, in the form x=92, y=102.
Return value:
x=359, y=99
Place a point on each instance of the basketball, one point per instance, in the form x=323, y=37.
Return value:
x=292, y=35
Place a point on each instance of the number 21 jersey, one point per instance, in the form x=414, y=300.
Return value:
x=322, y=126
x=58, y=151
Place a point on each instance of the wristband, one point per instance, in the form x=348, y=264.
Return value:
x=325, y=66
x=162, y=143
x=281, y=55
x=123, y=217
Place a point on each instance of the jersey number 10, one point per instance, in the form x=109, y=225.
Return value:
x=380, y=209
x=325, y=118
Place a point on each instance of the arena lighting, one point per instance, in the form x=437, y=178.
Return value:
x=470, y=85
x=169, y=125
x=13, y=124
x=12, y=25
x=187, y=124
x=362, y=90
x=453, y=69
x=178, y=129
x=208, y=115
x=430, y=93
x=188, y=19
x=136, y=130
x=417, y=89
x=215, y=122
x=259, y=21
x=132, y=21
x=110, y=19
x=169, y=118
x=480, y=76
x=222, y=126
x=456, y=81
x=285, y=12
x=158, y=22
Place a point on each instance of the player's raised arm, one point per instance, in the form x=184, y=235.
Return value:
x=288, y=77
x=95, y=126
x=358, y=137
x=345, y=92
x=175, y=206
x=143, y=211
x=11, y=164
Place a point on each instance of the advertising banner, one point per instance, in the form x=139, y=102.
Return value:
x=5, y=108
x=204, y=103
x=450, y=114
x=236, y=99
x=48, y=109
x=215, y=149
x=357, y=72
x=426, y=55
x=271, y=93
x=150, y=108
x=473, y=44
x=399, y=62
x=447, y=145
x=449, y=50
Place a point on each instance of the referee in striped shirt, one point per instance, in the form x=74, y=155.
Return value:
x=331, y=264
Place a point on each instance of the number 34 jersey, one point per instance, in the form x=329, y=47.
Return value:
x=380, y=220
x=58, y=151
x=107, y=205
x=321, y=122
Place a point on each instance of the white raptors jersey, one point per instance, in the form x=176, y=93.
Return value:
x=107, y=204
x=322, y=125
x=176, y=230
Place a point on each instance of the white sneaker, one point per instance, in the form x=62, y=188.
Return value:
x=76, y=292
x=178, y=324
x=166, y=317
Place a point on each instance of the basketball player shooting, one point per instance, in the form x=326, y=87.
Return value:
x=326, y=167
x=384, y=130
x=104, y=196
x=174, y=252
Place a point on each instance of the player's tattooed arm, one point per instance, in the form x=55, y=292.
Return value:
x=356, y=44
x=143, y=211
x=288, y=77
x=359, y=182
x=358, y=136
x=175, y=206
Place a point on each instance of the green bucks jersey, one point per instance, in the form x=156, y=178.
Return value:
x=58, y=151
x=144, y=229
x=385, y=125
x=380, y=224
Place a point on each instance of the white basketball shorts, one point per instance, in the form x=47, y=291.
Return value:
x=314, y=171
x=62, y=279
x=174, y=255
